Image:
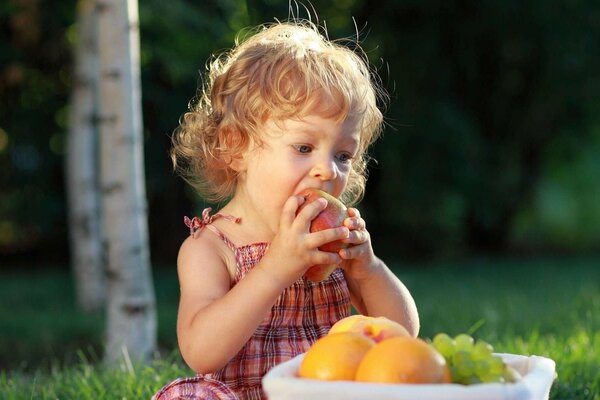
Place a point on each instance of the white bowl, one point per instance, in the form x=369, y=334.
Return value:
x=538, y=373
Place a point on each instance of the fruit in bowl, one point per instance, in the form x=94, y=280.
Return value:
x=377, y=328
x=373, y=349
x=403, y=359
x=332, y=216
x=335, y=357
x=473, y=361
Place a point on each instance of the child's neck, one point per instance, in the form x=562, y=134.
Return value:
x=252, y=227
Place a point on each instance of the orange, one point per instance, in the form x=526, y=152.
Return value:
x=403, y=360
x=335, y=357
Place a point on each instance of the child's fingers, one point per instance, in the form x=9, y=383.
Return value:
x=318, y=239
x=324, y=257
x=354, y=251
x=357, y=237
x=354, y=221
x=311, y=210
x=353, y=212
x=290, y=208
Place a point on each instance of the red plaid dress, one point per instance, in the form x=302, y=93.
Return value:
x=303, y=313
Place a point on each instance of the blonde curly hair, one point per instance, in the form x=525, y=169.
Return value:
x=281, y=70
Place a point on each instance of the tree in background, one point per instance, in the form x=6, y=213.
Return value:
x=492, y=142
x=131, y=309
x=81, y=162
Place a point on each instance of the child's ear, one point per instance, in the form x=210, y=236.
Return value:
x=238, y=163
x=236, y=149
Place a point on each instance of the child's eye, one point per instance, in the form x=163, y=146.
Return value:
x=302, y=148
x=344, y=157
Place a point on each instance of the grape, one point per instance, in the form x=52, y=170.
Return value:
x=456, y=376
x=444, y=344
x=470, y=380
x=485, y=372
x=464, y=342
x=492, y=378
x=496, y=365
x=463, y=363
x=482, y=367
x=482, y=350
x=473, y=361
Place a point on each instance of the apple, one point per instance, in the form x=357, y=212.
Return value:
x=332, y=216
x=318, y=273
x=377, y=328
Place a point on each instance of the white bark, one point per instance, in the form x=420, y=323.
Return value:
x=82, y=167
x=131, y=311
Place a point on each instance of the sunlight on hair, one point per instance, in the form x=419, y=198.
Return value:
x=279, y=70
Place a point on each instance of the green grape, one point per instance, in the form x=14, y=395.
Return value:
x=463, y=363
x=492, y=378
x=455, y=374
x=482, y=367
x=444, y=344
x=482, y=350
x=464, y=342
x=496, y=365
x=470, y=380
x=464, y=378
x=472, y=361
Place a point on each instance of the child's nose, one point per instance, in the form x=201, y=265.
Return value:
x=325, y=170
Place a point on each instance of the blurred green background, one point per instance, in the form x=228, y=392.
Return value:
x=484, y=196
x=492, y=144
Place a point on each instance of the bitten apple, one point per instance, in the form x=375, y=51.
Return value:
x=377, y=328
x=331, y=217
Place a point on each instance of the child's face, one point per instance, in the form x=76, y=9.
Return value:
x=296, y=154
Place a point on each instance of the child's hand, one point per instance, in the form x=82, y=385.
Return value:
x=359, y=258
x=294, y=248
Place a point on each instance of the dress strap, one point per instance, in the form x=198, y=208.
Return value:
x=196, y=224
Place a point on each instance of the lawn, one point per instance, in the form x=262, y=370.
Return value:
x=548, y=307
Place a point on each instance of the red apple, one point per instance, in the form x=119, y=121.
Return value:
x=332, y=216
x=318, y=273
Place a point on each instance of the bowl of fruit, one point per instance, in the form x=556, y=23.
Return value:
x=374, y=358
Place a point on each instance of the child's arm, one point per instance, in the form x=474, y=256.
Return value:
x=215, y=321
x=374, y=288
x=383, y=294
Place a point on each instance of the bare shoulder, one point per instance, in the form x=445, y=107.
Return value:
x=203, y=265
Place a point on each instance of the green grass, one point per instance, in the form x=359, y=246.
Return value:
x=40, y=324
x=547, y=307
x=90, y=380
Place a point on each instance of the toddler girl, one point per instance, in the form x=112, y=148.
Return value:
x=285, y=110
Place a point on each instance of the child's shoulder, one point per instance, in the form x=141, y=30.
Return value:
x=205, y=251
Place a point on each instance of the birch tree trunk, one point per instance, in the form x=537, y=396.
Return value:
x=131, y=310
x=82, y=166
